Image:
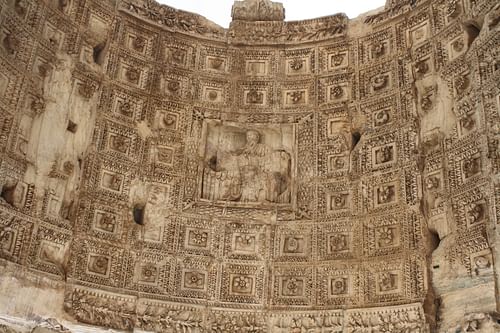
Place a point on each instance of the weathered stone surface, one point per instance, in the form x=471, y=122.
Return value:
x=159, y=173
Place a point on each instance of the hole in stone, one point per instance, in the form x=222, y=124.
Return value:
x=72, y=127
x=435, y=266
x=434, y=240
x=139, y=214
x=212, y=163
x=8, y=193
x=472, y=29
x=98, y=53
x=356, y=137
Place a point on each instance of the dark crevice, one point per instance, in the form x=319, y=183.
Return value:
x=99, y=53
x=356, y=137
x=472, y=29
x=431, y=306
x=138, y=214
x=8, y=193
x=72, y=127
x=432, y=301
x=434, y=240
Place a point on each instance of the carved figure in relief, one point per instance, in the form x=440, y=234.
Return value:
x=253, y=173
x=308, y=323
x=242, y=322
x=258, y=10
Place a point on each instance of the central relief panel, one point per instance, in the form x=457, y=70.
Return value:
x=248, y=164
